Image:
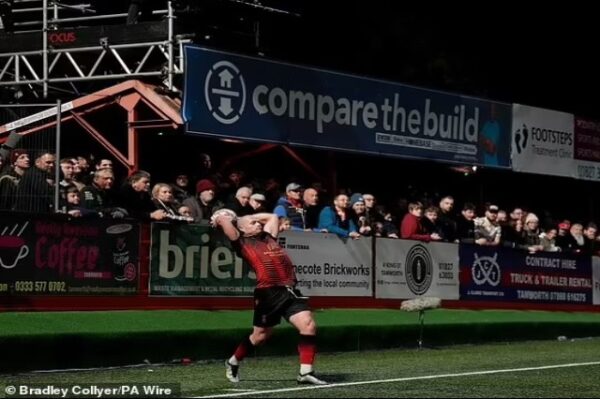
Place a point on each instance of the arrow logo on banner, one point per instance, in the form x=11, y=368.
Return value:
x=225, y=106
x=225, y=92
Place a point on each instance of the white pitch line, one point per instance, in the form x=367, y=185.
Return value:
x=241, y=390
x=424, y=377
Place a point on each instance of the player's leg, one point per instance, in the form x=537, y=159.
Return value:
x=258, y=337
x=307, y=346
x=266, y=316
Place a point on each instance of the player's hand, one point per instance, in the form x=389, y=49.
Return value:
x=222, y=215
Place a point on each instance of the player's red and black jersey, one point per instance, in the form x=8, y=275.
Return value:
x=270, y=262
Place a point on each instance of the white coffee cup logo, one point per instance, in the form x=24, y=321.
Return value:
x=12, y=247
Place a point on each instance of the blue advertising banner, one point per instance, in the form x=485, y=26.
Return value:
x=231, y=95
x=502, y=274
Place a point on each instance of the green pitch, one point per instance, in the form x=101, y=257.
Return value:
x=499, y=370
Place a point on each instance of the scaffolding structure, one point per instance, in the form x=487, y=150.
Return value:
x=60, y=59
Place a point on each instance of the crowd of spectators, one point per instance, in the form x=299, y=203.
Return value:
x=88, y=189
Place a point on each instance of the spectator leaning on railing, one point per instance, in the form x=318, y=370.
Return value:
x=336, y=219
x=411, y=227
x=290, y=206
x=487, y=229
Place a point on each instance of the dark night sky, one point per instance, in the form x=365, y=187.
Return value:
x=500, y=51
x=503, y=52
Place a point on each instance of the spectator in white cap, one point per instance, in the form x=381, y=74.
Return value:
x=257, y=202
x=291, y=206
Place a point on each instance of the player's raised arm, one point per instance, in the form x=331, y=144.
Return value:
x=270, y=223
x=225, y=220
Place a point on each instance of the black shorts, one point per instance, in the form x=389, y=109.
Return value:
x=270, y=304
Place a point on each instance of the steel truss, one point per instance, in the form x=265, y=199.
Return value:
x=104, y=61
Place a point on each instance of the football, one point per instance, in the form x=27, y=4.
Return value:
x=224, y=211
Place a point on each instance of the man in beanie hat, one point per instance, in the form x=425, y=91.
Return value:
x=203, y=205
x=356, y=197
x=359, y=214
x=19, y=163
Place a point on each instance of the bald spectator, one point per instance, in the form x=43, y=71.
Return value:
x=311, y=209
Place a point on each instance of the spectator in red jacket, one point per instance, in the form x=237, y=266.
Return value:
x=411, y=227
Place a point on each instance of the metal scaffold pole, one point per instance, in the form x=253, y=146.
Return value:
x=58, y=155
x=170, y=17
x=45, y=48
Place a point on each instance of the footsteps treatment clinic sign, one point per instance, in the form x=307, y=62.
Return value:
x=406, y=268
x=327, y=265
x=543, y=141
x=236, y=96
